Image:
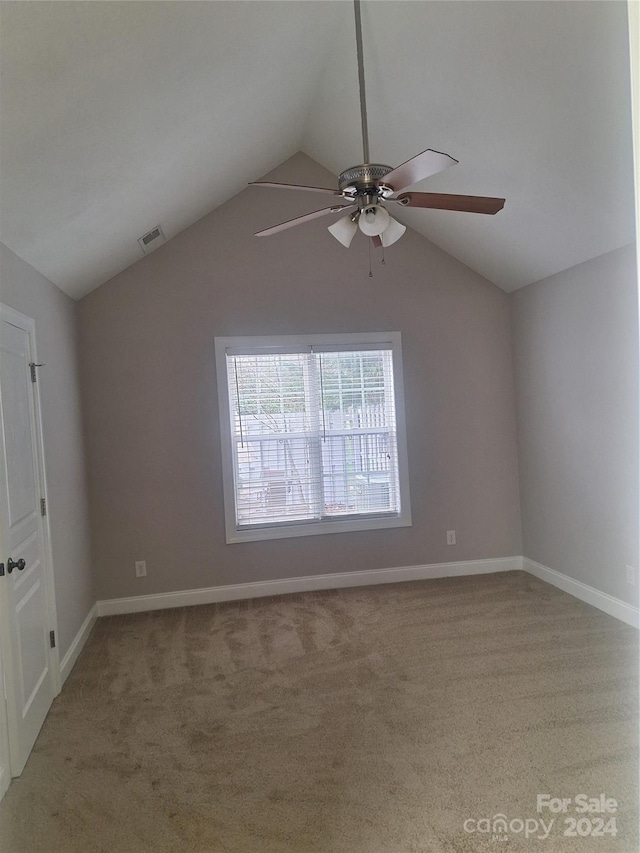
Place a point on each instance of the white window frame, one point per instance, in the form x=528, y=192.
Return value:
x=342, y=525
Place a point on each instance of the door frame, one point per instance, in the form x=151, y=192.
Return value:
x=27, y=324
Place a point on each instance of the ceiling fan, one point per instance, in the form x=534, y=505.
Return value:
x=367, y=186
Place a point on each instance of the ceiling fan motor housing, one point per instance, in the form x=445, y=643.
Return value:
x=365, y=180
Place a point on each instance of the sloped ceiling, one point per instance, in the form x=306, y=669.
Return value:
x=119, y=116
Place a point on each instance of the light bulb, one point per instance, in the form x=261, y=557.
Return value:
x=373, y=220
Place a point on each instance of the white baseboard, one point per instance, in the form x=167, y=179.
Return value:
x=209, y=595
x=77, y=645
x=183, y=598
x=589, y=594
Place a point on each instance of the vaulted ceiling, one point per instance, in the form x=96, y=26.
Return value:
x=116, y=117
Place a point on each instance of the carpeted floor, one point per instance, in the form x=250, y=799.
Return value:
x=367, y=720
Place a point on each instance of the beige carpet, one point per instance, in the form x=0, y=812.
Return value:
x=370, y=720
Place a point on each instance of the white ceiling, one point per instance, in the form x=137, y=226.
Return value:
x=119, y=116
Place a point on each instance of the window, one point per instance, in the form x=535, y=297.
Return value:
x=312, y=432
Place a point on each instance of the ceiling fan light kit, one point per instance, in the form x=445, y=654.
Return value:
x=344, y=230
x=365, y=186
x=373, y=220
x=392, y=232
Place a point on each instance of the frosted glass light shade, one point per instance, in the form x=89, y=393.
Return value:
x=344, y=230
x=392, y=232
x=373, y=220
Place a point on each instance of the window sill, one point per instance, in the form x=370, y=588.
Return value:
x=289, y=531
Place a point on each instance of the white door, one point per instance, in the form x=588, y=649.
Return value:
x=26, y=602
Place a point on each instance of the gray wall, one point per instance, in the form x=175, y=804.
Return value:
x=151, y=410
x=25, y=289
x=576, y=366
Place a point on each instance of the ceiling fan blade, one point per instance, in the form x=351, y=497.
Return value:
x=442, y=201
x=377, y=242
x=293, y=187
x=300, y=219
x=421, y=166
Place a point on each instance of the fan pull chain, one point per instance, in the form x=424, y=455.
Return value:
x=370, y=273
x=383, y=263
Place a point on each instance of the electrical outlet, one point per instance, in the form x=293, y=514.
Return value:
x=141, y=568
x=631, y=575
x=451, y=537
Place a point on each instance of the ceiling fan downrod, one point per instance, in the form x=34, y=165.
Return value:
x=363, y=96
x=360, y=182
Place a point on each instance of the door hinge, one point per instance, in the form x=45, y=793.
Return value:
x=52, y=639
x=43, y=506
x=32, y=368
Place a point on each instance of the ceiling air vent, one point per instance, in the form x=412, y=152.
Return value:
x=151, y=240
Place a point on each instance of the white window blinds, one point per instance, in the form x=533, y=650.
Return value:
x=313, y=433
